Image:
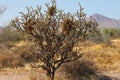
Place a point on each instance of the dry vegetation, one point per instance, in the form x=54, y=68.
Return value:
x=55, y=34
x=107, y=58
x=97, y=56
x=53, y=47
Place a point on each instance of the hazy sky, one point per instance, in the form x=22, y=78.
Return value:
x=110, y=8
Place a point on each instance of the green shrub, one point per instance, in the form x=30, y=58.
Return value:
x=105, y=34
x=95, y=37
x=112, y=32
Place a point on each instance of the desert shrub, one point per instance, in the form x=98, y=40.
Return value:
x=111, y=32
x=16, y=56
x=95, y=37
x=80, y=70
x=10, y=34
x=114, y=32
x=7, y=45
x=25, y=53
x=105, y=35
x=10, y=59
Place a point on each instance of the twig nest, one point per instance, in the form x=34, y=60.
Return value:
x=51, y=10
x=68, y=25
x=28, y=25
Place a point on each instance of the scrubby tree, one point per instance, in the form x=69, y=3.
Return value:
x=55, y=34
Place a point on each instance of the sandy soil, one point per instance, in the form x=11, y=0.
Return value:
x=115, y=75
x=26, y=75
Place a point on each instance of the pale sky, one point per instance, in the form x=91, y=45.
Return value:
x=110, y=8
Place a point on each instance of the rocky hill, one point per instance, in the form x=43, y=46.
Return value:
x=106, y=21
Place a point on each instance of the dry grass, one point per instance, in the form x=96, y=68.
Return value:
x=12, y=57
x=26, y=74
x=15, y=54
x=107, y=58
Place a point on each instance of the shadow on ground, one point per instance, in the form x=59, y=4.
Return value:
x=104, y=77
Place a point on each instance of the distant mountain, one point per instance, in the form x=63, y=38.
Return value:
x=106, y=21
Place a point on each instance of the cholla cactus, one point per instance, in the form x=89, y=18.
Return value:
x=55, y=47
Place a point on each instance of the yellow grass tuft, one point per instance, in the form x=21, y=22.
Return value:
x=22, y=43
x=105, y=57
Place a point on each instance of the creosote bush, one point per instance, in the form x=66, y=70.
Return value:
x=55, y=34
